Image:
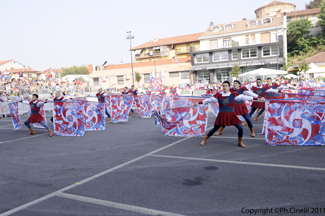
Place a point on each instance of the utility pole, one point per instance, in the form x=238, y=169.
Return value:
x=130, y=37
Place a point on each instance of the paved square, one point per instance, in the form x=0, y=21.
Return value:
x=131, y=168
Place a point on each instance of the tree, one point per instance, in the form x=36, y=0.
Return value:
x=304, y=67
x=297, y=30
x=138, y=77
x=235, y=70
x=313, y=4
x=321, y=16
x=81, y=79
x=74, y=70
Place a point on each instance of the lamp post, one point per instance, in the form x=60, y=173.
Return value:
x=130, y=37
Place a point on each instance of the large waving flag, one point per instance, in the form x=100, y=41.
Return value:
x=295, y=122
x=94, y=115
x=155, y=83
x=14, y=112
x=144, y=106
x=184, y=121
x=120, y=107
x=68, y=118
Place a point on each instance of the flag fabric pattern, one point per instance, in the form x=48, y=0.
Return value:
x=155, y=83
x=14, y=112
x=120, y=107
x=68, y=118
x=184, y=121
x=295, y=122
x=94, y=116
x=144, y=107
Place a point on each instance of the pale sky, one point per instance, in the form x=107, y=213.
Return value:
x=63, y=33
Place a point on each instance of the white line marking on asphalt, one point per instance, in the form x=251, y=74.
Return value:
x=19, y=208
x=116, y=205
x=29, y=136
x=5, y=125
x=242, y=162
x=235, y=137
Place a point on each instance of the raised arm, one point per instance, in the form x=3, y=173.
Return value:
x=250, y=93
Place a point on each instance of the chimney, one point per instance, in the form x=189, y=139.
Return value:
x=90, y=69
x=211, y=24
x=155, y=40
x=244, y=18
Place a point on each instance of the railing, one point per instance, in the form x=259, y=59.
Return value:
x=148, y=55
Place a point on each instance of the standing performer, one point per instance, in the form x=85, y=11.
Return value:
x=57, y=98
x=271, y=95
x=261, y=91
x=101, y=99
x=36, y=117
x=227, y=116
x=126, y=91
x=240, y=106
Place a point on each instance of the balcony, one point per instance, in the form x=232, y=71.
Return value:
x=148, y=55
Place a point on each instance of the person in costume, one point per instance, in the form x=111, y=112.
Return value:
x=261, y=91
x=227, y=116
x=271, y=95
x=131, y=92
x=240, y=106
x=101, y=99
x=58, y=98
x=36, y=117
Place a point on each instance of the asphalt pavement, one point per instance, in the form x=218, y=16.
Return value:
x=131, y=168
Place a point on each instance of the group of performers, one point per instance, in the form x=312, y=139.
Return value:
x=231, y=103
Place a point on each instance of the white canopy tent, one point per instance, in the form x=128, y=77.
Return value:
x=317, y=71
x=291, y=76
x=262, y=73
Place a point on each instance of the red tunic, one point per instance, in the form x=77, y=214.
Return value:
x=226, y=116
x=262, y=93
x=35, y=116
x=240, y=106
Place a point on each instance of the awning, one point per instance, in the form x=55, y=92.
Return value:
x=137, y=52
x=156, y=48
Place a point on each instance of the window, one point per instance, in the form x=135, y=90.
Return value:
x=234, y=54
x=96, y=81
x=146, y=77
x=221, y=75
x=252, y=23
x=270, y=51
x=203, y=75
x=201, y=58
x=120, y=80
x=290, y=19
x=220, y=56
x=249, y=53
x=302, y=17
x=173, y=74
x=267, y=20
x=227, y=42
x=217, y=28
x=250, y=39
x=229, y=26
x=185, y=75
x=314, y=16
x=214, y=44
x=266, y=37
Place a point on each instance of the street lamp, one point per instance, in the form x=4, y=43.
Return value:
x=130, y=37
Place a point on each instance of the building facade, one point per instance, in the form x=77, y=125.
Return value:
x=251, y=44
x=173, y=71
x=10, y=65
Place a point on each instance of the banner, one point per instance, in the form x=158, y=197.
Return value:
x=184, y=121
x=155, y=83
x=295, y=122
x=144, y=107
x=14, y=112
x=94, y=115
x=120, y=107
x=68, y=118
